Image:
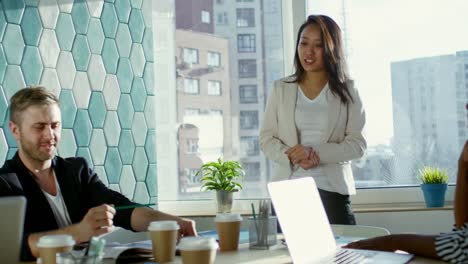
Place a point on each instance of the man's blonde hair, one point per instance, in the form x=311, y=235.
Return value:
x=29, y=96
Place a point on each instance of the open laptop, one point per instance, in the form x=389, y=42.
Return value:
x=307, y=231
x=11, y=227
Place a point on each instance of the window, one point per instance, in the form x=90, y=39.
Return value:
x=248, y=94
x=245, y=17
x=249, y=119
x=246, y=43
x=222, y=18
x=191, y=86
x=192, y=145
x=247, y=68
x=252, y=171
x=217, y=112
x=213, y=59
x=214, y=88
x=244, y=1
x=205, y=17
x=250, y=146
x=191, y=111
x=191, y=56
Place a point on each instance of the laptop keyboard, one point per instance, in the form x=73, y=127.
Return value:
x=345, y=256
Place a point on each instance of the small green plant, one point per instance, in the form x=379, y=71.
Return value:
x=433, y=175
x=221, y=175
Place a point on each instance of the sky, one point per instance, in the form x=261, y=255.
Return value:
x=380, y=32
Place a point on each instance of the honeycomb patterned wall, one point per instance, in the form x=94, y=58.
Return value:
x=98, y=57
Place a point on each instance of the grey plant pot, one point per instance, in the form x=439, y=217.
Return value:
x=224, y=201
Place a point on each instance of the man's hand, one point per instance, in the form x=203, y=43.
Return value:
x=187, y=227
x=98, y=220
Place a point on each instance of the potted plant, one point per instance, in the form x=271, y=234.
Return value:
x=223, y=177
x=434, y=185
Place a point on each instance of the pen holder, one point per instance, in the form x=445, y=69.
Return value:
x=262, y=232
x=69, y=258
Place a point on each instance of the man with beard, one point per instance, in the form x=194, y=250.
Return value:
x=64, y=196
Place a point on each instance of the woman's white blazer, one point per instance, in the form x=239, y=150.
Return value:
x=343, y=142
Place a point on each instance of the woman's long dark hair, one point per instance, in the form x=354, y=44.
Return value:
x=335, y=64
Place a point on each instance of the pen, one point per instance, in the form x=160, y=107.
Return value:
x=133, y=206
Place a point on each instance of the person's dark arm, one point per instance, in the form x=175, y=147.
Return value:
x=421, y=245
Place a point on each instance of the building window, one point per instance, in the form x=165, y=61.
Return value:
x=252, y=171
x=216, y=112
x=246, y=43
x=190, y=56
x=214, y=88
x=191, y=86
x=245, y=17
x=192, y=145
x=191, y=112
x=250, y=146
x=244, y=1
x=213, y=59
x=222, y=18
x=205, y=17
x=248, y=119
x=220, y=2
x=248, y=94
x=247, y=68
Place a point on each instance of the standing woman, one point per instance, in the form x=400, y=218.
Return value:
x=314, y=119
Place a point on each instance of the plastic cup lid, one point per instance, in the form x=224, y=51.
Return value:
x=50, y=241
x=163, y=225
x=228, y=217
x=197, y=243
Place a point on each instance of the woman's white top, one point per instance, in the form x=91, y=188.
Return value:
x=58, y=206
x=311, y=117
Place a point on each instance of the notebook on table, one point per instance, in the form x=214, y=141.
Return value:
x=11, y=227
x=307, y=231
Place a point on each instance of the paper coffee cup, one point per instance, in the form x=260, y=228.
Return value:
x=50, y=245
x=228, y=227
x=164, y=238
x=198, y=250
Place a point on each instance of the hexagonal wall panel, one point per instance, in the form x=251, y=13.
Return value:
x=125, y=75
x=110, y=56
x=49, y=13
x=114, y=187
x=49, y=79
x=11, y=152
x=150, y=111
x=137, y=58
x=148, y=44
x=81, y=52
x=3, y=107
x=66, y=69
x=97, y=109
x=67, y=145
x=111, y=92
x=146, y=8
x=13, y=10
x=3, y=63
x=68, y=108
x=127, y=181
x=84, y=153
x=123, y=10
x=65, y=31
x=98, y=147
x=136, y=3
x=31, y=2
x=113, y=165
x=81, y=90
x=125, y=111
x=138, y=94
x=148, y=77
x=137, y=25
x=95, y=36
x=80, y=16
x=96, y=73
x=141, y=193
x=3, y=23
x=101, y=172
x=112, y=128
x=31, y=65
x=31, y=26
x=123, y=40
x=150, y=146
x=126, y=146
x=95, y=8
x=139, y=129
x=49, y=48
x=82, y=128
x=13, y=44
x=13, y=80
x=66, y=6
x=151, y=180
x=109, y=20
x=3, y=146
x=140, y=164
